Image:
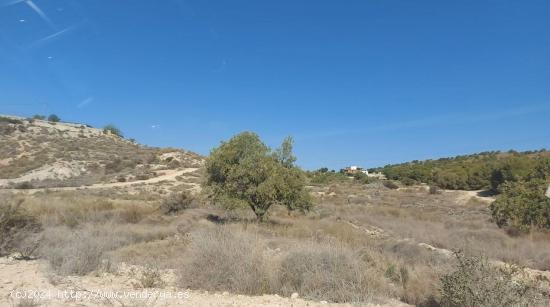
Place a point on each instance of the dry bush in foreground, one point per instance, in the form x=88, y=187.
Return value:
x=224, y=258
x=329, y=272
x=149, y=278
x=83, y=250
x=177, y=202
x=476, y=282
x=15, y=225
x=221, y=259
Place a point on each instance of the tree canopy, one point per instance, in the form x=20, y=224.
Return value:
x=53, y=118
x=245, y=172
x=487, y=170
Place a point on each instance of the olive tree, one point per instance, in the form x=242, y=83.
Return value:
x=245, y=172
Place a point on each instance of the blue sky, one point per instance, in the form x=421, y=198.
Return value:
x=355, y=82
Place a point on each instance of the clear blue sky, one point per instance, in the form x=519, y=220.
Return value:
x=364, y=82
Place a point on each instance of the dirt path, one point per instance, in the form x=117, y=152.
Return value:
x=167, y=175
x=464, y=196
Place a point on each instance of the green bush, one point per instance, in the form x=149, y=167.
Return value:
x=522, y=205
x=362, y=178
x=408, y=181
x=319, y=177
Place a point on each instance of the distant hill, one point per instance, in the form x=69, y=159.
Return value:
x=37, y=153
x=486, y=170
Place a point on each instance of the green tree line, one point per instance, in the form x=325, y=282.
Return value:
x=487, y=170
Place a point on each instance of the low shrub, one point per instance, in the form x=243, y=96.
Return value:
x=177, y=202
x=408, y=181
x=142, y=176
x=149, y=278
x=24, y=185
x=83, y=250
x=229, y=259
x=434, y=190
x=15, y=225
x=390, y=184
x=476, y=282
x=220, y=259
x=327, y=272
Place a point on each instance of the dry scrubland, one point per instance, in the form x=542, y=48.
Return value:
x=361, y=244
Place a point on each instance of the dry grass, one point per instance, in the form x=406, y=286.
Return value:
x=440, y=220
x=81, y=251
x=329, y=271
x=231, y=258
x=220, y=259
x=360, y=244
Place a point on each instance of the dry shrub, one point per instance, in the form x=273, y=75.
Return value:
x=476, y=282
x=24, y=185
x=177, y=202
x=390, y=184
x=434, y=190
x=74, y=252
x=149, y=278
x=165, y=254
x=15, y=226
x=133, y=214
x=222, y=259
x=329, y=272
x=81, y=251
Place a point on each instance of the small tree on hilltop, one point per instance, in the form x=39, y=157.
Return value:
x=245, y=172
x=53, y=118
x=113, y=130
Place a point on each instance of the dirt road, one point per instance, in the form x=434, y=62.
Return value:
x=167, y=175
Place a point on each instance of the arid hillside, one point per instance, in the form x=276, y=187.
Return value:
x=38, y=154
